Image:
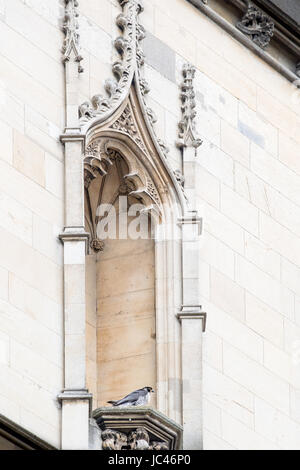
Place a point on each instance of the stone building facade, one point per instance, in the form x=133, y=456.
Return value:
x=188, y=109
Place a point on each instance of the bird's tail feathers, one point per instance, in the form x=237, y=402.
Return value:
x=112, y=402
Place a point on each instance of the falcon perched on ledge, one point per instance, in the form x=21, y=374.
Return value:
x=138, y=398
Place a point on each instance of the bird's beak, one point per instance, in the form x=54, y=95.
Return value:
x=153, y=391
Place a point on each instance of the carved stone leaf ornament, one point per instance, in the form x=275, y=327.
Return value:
x=131, y=61
x=187, y=128
x=179, y=177
x=124, y=109
x=257, y=25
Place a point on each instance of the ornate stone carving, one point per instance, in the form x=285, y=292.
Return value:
x=86, y=110
x=130, y=63
x=113, y=440
x=100, y=155
x=144, y=86
x=97, y=245
x=137, y=428
x=159, y=446
x=151, y=189
x=70, y=28
x=126, y=124
x=179, y=177
x=187, y=132
x=257, y=25
x=151, y=115
x=123, y=69
x=138, y=439
x=88, y=178
x=163, y=146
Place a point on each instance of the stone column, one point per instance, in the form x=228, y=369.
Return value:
x=193, y=325
x=75, y=399
x=192, y=318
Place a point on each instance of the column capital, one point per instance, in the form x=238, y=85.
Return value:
x=191, y=218
x=75, y=234
x=193, y=312
x=75, y=395
x=72, y=135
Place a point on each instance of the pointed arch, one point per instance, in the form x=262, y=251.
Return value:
x=125, y=135
x=121, y=127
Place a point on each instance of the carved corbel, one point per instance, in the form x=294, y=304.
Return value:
x=137, y=439
x=256, y=24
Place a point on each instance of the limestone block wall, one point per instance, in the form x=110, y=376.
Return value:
x=248, y=176
x=125, y=319
x=248, y=180
x=31, y=215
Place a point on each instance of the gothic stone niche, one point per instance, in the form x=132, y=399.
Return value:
x=140, y=428
x=122, y=321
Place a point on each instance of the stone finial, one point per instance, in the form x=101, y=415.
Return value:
x=187, y=132
x=257, y=25
x=70, y=28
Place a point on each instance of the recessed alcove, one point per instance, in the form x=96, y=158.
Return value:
x=120, y=286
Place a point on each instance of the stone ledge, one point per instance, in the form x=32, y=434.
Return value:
x=75, y=395
x=121, y=426
x=75, y=234
x=72, y=135
x=193, y=313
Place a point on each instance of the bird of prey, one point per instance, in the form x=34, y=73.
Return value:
x=137, y=398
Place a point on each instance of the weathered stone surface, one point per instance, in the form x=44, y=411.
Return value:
x=138, y=428
x=160, y=56
x=247, y=191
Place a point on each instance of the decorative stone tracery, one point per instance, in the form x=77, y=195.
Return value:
x=256, y=24
x=125, y=70
x=126, y=124
x=70, y=28
x=187, y=131
x=136, y=182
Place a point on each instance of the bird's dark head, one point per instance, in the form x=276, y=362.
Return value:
x=149, y=389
